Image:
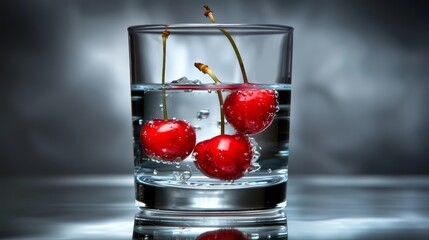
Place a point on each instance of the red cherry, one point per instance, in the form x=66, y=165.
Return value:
x=224, y=157
x=250, y=111
x=223, y=234
x=167, y=140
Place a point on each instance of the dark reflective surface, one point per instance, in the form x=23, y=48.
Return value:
x=102, y=207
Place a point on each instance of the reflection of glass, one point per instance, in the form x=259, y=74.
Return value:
x=173, y=186
x=154, y=226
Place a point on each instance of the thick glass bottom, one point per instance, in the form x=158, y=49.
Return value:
x=213, y=219
x=214, y=200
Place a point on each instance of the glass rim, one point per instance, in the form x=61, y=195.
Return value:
x=209, y=27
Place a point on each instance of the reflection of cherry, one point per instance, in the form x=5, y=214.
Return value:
x=167, y=140
x=224, y=157
x=250, y=111
x=223, y=234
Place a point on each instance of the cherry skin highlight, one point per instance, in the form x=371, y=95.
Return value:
x=251, y=111
x=223, y=234
x=225, y=157
x=167, y=140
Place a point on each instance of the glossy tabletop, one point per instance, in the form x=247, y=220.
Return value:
x=319, y=207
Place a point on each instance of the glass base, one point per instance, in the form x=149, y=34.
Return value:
x=211, y=219
x=161, y=224
x=194, y=201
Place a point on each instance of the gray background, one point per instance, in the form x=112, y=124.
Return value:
x=360, y=75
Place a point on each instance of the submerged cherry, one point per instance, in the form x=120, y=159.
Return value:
x=225, y=157
x=250, y=111
x=167, y=140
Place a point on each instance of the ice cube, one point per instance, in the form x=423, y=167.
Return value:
x=186, y=81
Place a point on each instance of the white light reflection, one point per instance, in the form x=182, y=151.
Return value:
x=91, y=180
x=352, y=228
x=119, y=228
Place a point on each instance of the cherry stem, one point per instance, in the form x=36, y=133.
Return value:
x=206, y=70
x=165, y=35
x=208, y=13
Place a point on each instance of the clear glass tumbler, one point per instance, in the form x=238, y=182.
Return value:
x=210, y=112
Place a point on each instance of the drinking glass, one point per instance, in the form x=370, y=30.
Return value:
x=167, y=183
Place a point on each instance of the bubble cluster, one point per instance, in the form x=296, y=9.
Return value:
x=186, y=81
x=182, y=175
x=253, y=168
x=256, y=149
x=160, y=160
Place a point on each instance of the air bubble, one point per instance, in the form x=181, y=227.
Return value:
x=219, y=123
x=269, y=170
x=196, y=127
x=229, y=182
x=176, y=175
x=155, y=172
x=186, y=175
x=203, y=114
